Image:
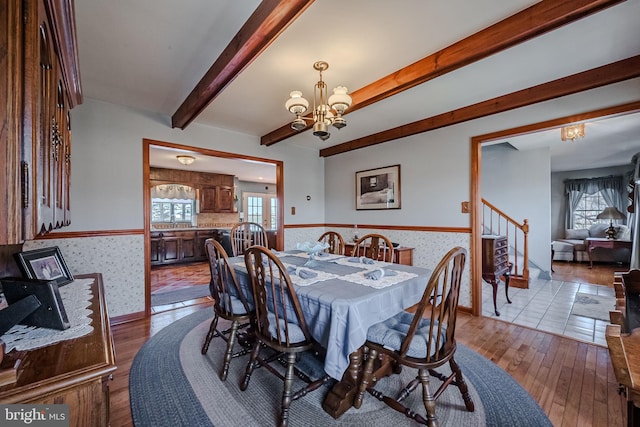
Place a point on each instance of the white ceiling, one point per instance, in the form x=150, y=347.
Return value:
x=149, y=54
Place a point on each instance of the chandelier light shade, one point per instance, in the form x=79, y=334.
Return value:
x=571, y=133
x=186, y=160
x=327, y=110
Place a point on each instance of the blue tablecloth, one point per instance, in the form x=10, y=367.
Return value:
x=338, y=311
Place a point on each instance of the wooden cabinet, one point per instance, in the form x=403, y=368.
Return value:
x=39, y=85
x=218, y=199
x=495, y=264
x=75, y=372
x=208, y=199
x=216, y=192
x=401, y=255
x=224, y=198
x=171, y=247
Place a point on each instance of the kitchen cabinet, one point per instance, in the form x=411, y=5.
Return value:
x=171, y=247
x=216, y=192
x=39, y=85
x=217, y=199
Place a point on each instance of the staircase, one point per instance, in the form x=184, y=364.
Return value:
x=496, y=222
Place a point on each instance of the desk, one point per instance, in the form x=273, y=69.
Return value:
x=340, y=311
x=601, y=242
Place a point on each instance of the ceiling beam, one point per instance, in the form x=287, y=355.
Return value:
x=601, y=76
x=540, y=18
x=266, y=23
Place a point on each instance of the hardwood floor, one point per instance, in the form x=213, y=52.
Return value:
x=572, y=381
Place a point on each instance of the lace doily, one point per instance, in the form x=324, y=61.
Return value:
x=76, y=298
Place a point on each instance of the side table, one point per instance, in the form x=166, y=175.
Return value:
x=601, y=242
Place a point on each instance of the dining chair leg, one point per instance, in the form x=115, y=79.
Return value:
x=462, y=385
x=233, y=333
x=428, y=399
x=251, y=365
x=287, y=393
x=210, y=334
x=366, y=378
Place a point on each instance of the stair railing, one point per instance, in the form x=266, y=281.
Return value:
x=496, y=222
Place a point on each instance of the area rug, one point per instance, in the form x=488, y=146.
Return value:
x=172, y=384
x=179, y=295
x=593, y=306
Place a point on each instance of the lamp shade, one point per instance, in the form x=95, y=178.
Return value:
x=610, y=213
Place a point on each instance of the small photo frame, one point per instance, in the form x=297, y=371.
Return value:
x=44, y=264
x=378, y=188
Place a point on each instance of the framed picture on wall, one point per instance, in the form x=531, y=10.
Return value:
x=378, y=188
x=44, y=264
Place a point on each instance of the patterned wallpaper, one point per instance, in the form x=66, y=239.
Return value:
x=120, y=258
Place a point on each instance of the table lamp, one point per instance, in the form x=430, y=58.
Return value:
x=610, y=213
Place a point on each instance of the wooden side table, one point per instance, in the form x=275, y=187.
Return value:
x=401, y=255
x=601, y=242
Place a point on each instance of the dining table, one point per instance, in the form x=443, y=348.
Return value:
x=341, y=297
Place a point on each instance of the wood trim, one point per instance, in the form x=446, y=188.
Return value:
x=476, y=191
x=207, y=152
x=386, y=227
x=538, y=19
x=601, y=76
x=77, y=234
x=62, y=18
x=126, y=318
x=618, y=110
x=265, y=24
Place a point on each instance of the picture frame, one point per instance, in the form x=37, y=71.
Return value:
x=378, y=188
x=44, y=264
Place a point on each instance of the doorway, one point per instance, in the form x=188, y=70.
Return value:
x=176, y=270
x=476, y=149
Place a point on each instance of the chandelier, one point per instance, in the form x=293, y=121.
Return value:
x=327, y=111
x=570, y=133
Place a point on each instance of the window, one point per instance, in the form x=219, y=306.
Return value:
x=261, y=209
x=171, y=210
x=590, y=205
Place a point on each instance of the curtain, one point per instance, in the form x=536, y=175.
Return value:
x=173, y=191
x=612, y=189
x=573, y=198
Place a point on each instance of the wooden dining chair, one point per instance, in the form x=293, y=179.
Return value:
x=245, y=234
x=424, y=341
x=280, y=325
x=335, y=241
x=229, y=302
x=374, y=246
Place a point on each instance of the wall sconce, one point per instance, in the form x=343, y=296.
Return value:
x=186, y=160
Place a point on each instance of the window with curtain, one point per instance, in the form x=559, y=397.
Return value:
x=586, y=198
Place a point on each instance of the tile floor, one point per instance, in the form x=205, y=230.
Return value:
x=546, y=306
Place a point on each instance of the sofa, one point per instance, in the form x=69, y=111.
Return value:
x=573, y=246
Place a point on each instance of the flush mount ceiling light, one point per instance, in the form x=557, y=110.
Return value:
x=324, y=107
x=570, y=133
x=186, y=160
